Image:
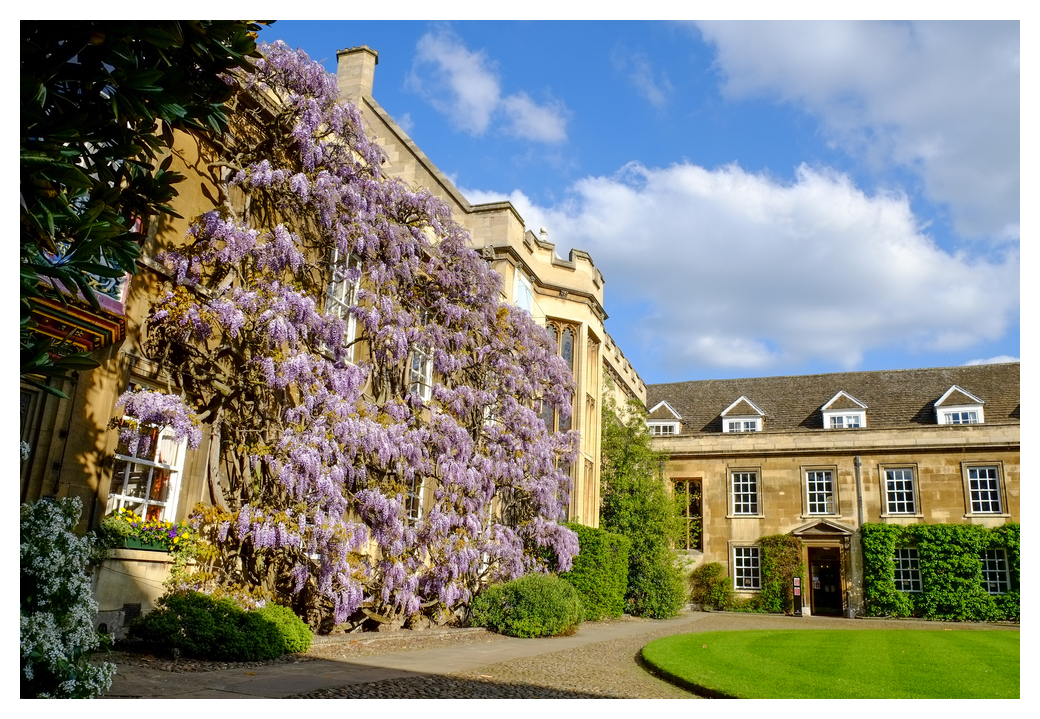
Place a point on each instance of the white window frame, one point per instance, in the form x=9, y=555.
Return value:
x=747, y=568
x=663, y=429
x=961, y=415
x=995, y=576
x=845, y=420
x=893, y=494
x=907, y=570
x=813, y=493
x=413, y=501
x=420, y=373
x=166, y=455
x=741, y=424
x=341, y=294
x=749, y=498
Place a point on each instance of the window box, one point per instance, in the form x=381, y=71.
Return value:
x=148, y=546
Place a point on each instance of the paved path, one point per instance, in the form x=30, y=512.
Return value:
x=599, y=660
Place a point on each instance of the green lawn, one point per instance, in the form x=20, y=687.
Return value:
x=843, y=664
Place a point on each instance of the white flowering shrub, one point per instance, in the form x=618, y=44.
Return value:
x=57, y=608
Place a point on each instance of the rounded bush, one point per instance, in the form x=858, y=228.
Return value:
x=537, y=605
x=656, y=588
x=201, y=626
x=709, y=587
x=296, y=634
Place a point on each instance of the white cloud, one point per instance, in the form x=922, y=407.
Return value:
x=741, y=271
x=1000, y=359
x=464, y=86
x=640, y=73
x=466, y=78
x=544, y=123
x=940, y=98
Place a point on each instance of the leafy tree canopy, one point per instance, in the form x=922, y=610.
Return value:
x=636, y=505
x=99, y=102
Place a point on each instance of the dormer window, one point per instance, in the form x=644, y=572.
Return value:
x=742, y=416
x=663, y=420
x=843, y=411
x=958, y=406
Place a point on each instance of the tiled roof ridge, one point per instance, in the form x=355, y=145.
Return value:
x=831, y=374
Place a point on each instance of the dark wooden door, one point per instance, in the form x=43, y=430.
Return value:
x=825, y=585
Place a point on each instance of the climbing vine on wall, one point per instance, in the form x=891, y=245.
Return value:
x=780, y=563
x=950, y=571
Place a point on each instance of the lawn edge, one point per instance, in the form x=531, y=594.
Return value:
x=698, y=689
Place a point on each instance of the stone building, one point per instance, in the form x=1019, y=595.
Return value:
x=72, y=452
x=817, y=456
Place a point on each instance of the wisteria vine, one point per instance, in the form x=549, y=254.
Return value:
x=320, y=448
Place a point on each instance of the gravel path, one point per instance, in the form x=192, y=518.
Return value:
x=604, y=670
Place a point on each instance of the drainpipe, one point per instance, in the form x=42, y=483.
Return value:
x=859, y=488
x=855, y=598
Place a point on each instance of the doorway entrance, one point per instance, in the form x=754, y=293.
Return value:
x=825, y=590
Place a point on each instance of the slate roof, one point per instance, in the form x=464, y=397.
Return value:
x=894, y=398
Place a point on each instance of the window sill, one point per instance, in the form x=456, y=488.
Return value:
x=902, y=516
x=821, y=515
x=986, y=515
x=745, y=516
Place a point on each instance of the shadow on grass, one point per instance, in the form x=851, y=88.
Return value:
x=697, y=689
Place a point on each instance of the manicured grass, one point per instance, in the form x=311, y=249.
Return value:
x=843, y=664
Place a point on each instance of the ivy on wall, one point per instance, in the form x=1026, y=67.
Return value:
x=781, y=561
x=951, y=572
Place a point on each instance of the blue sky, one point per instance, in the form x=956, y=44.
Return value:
x=762, y=198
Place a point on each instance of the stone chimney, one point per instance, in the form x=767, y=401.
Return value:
x=356, y=71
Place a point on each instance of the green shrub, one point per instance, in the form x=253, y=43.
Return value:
x=710, y=586
x=656, y=588
x=636, y=505
x=296, y=634
x=201, y=626
x=537, y=605
x=600, y=571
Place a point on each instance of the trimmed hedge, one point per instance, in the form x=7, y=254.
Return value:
x=600, y=571
x=536, y=605
x=200, y=626
x=951, y=573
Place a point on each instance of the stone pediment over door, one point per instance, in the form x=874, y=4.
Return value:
x=823, y=529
